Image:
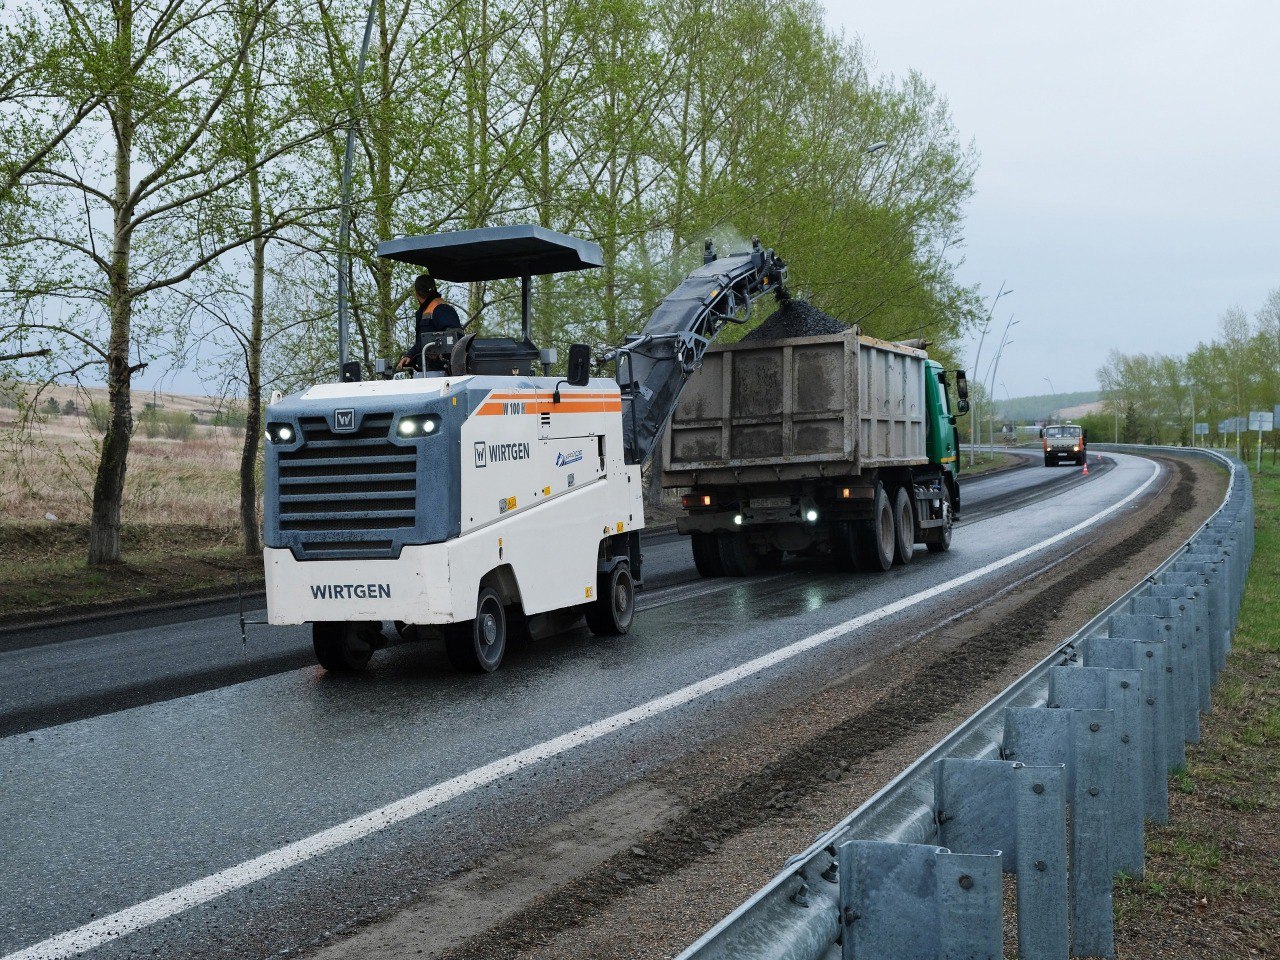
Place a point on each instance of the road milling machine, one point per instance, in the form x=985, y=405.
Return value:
x=484, y=498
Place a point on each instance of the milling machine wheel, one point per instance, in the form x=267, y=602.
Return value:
x=343, y=647
x=477, y=646
x=614, y=608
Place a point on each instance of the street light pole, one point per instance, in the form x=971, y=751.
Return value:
x=975, y=422
x=1053, y=395
x=991, y=434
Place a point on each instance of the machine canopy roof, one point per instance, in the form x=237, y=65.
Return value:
x=494, y=253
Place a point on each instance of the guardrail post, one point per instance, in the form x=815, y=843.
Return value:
x=1218, y=596
x=1189, y=602
x=910, y=901
x=1167, y=693
x=1095, y=688
x=1082, y=740
x=1186, y=686
x=1125, y=654
x=1020, y=811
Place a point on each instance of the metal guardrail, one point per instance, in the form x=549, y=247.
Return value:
x=1094, y=729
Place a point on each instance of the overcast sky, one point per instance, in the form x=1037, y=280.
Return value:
x=1129, y=186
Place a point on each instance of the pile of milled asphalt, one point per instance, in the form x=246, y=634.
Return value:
x=796, y=318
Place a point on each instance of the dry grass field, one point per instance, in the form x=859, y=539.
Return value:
x=181, y=513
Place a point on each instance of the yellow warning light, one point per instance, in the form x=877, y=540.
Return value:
x=511, y=503
x=546, y=491
x=619, y=526
x=588, y=593
x=455, y=401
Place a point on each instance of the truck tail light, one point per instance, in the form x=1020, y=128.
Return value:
x=692, y=501
x=846, y=493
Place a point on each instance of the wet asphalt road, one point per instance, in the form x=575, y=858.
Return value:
x=130, y=803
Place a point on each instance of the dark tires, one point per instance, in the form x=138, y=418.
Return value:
x=1048, y=460
x=736, y=555
x=940, y=538
x=844, y=551
x=874, y=539
x=345, y=647
x=706, y=554
x=1080, y=459
x=477, y=646
x=614, y=607
x=904, y=527
x=770, y=560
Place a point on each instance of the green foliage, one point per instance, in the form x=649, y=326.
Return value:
x=52, y=408
x=99, y=416
x=1154, y=397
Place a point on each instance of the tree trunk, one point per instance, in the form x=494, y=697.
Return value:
x=253, y=362
x=108, y=485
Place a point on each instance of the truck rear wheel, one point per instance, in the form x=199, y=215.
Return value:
x=904, y=527
x=706, y=554
x=614, y=607
x=736, y=555
x=873, y=540
x=344, y=647
x=477, y=646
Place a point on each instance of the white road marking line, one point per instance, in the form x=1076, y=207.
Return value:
x=139, y=916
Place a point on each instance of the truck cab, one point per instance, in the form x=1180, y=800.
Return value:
x=1065, y=441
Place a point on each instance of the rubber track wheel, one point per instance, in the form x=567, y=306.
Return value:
x=874, y=539
x=477, y=646
x=706, y=554
x=339, y=647
x=904, y=528
x=736, y=555
x=614, y=608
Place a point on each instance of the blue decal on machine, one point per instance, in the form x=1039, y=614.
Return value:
x=564, y=459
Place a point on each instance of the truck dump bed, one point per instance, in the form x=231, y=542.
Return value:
x=798, y=409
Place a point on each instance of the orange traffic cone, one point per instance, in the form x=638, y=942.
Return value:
x=1086, y=466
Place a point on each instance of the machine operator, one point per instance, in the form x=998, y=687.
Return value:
x=433, y=316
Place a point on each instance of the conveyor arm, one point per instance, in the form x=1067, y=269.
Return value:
x=653, y=365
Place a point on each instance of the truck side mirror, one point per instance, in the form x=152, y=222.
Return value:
x=1042, y=433
x=1084, y=434
x=579, y=365
x=962, y=385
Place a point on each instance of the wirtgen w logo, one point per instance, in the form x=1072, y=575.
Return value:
x=344, y=421
x=482, y=453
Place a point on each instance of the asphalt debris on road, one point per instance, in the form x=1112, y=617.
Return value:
x=775, y=791
x=796, y=318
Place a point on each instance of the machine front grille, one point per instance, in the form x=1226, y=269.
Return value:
x=347, y=494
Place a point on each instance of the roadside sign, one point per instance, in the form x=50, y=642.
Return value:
x=1222, y=426
x=1202, y=429
x=1261, y=420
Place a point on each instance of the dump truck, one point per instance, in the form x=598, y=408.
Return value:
x=840, y=446
x=1065, y=441
x=483, y=497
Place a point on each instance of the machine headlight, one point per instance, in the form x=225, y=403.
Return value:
x=420, y=426
x=811, y=515
x=737, y=518
x=280, y=433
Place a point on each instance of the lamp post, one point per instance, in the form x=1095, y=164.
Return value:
x=975, y=424
x=1053, y=394
x=995, y=368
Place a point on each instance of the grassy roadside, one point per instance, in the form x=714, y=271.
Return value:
x=985, y=462
x=45, y=571
x=1212, y=883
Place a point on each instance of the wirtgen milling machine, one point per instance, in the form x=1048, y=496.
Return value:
x=483, y=498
